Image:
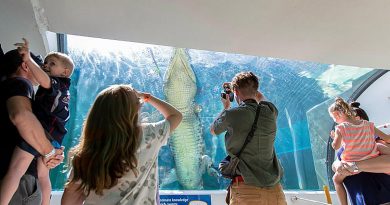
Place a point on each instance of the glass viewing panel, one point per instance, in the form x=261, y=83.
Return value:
x=301, y=91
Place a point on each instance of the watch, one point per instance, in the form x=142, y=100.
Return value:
x=50, y=154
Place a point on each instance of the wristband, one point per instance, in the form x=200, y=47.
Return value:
x=50, y=154
x=147, y=97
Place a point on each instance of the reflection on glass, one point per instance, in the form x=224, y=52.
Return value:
x=191, y=80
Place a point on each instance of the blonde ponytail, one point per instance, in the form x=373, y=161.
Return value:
x=341, y=106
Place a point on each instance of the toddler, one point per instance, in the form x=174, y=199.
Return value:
x=356, y=137
x=51, y=107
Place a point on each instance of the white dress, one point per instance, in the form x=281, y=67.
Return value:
x=144, y=187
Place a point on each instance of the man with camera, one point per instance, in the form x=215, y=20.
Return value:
x=250, y=135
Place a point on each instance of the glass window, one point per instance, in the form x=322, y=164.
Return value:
x=301, y=91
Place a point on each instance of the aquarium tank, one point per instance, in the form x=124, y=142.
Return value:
x=300, y=90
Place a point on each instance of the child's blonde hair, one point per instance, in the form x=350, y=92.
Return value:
x=341, y=106
x=65, y=59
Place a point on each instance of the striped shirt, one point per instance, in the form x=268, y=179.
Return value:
x=358, y=141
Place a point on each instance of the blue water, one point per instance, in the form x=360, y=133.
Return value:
x=293, y=86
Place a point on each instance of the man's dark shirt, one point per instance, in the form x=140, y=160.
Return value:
x=10, y=136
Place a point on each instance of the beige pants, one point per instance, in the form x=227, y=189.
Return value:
x=242, y=194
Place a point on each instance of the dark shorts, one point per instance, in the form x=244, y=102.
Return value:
x=28, y=192
x=367, y=188
x=28, y=148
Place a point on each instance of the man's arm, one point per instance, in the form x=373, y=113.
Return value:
x=380, y=164
x=221, y=117
x=220, y=124
x=30, y=129
x=382, y=135
x=212, y=127
x=42, y=78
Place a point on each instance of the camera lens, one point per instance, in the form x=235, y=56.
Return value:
x=231, y=96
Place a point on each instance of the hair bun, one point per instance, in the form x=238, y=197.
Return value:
x=355, y=104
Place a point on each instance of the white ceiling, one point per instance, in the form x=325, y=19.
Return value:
x=16, y=21
x=348, y=32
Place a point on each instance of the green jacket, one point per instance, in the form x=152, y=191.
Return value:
x=258, y=165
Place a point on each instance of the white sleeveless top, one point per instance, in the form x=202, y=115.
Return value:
x=144, y=187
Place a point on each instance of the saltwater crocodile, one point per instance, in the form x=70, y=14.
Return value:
x=186, y=142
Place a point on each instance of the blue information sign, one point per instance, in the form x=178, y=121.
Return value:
x=185, y=200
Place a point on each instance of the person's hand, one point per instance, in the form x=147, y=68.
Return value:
x=349, y=168
x=24, y=50
x=226, y=102
x=382, y=141
x=332, y=134
x=338, y=167
x=56, y=159
x=343, y=168
x=142, y=96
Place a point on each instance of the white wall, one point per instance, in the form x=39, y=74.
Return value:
x=375, y=100
x=17, y=20
x=349, y=32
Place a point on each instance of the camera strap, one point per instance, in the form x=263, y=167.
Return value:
x=252, y=132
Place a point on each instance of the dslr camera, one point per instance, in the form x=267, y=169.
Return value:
x=227, y=92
